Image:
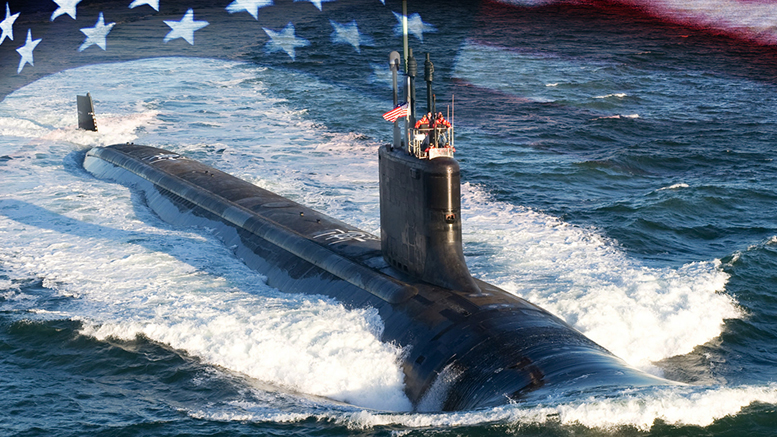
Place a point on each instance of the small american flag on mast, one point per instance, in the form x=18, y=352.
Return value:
x=396, y=113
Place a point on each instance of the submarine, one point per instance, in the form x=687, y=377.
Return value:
x=468, y=344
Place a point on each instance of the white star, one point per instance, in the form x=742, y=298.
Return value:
x=250, y=6
x=284, y=41
x=26, y=51
x=317, y=3
x=380, y=75
x=414, y=26
x=185, y=28
x=7, y=24
x=349, y=34
x=65, y=7
x=96, y=34
x=153, y=3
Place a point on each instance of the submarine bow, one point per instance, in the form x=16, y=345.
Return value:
x=468, y=344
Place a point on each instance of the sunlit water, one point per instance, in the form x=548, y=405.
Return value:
x=654, y=243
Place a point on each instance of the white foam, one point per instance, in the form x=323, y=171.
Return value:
x=618, y=95
x=178, y=287
x=674, y=187
x=641, y=314
x=308, y=345
x=694, y=406
x=125, y=273
x=618, y=116
x=14, y=127
x=12, y=299
x=111, y=129
x=688, y=406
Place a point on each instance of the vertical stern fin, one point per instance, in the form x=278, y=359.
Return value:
x=86, y=113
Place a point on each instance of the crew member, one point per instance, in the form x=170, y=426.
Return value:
x=441, y=122
x=424, y=126
x=423, y=123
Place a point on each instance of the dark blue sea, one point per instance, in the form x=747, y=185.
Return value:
x=618, y=170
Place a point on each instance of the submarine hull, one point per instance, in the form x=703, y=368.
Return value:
x=465, y=349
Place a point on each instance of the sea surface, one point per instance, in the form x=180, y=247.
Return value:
x=617, y=170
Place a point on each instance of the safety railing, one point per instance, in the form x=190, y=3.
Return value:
x=430, y=143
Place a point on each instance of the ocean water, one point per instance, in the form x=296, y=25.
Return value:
x=617, y=170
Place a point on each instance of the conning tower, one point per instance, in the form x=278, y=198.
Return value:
x=420, y=192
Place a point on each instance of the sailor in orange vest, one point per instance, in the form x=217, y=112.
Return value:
x=424, y=122
x=424, y=127
x=441, y=122
x=439, y=125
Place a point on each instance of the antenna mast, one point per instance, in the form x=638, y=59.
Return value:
x=404, y=30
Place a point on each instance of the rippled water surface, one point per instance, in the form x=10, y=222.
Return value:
x=617, y=171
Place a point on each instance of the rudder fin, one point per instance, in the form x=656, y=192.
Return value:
x=86, y=113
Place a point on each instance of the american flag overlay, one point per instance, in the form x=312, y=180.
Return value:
x=347, y=41
x=41, y=37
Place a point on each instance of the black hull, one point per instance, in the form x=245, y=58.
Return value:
x=465, y=349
